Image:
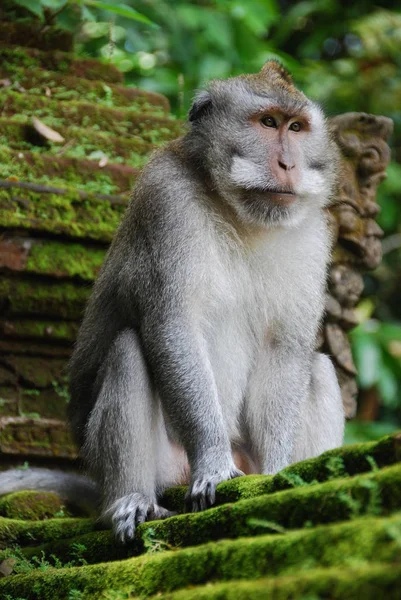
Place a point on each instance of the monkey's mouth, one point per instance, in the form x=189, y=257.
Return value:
x=280, y=197
x=277, y=195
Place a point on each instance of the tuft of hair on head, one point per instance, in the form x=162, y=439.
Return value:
x=274, y=68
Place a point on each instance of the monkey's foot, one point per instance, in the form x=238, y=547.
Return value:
x=126, y=513
x=202, y=492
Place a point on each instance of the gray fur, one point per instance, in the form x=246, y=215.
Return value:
x=199, y=335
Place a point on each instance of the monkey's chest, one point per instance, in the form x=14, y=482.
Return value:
x=251, y=297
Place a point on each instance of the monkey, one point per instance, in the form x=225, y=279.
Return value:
x=198, y=341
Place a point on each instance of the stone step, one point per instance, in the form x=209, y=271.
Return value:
x=58, y=86
x=82, y=174
x=18, y=133
x=35, y=34
x=53, y=211
x=16, y=59
x=35, y=437
x=123, y=121
x=47, y=299
x=39, y=330
x=49, y=258
x=308, y=553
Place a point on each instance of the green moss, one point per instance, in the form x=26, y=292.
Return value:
x=322, y=503
x=66, y=214
x=64, y=260
x=62, y=331
x=82, y=174
x=32, y=506
x=121, y=121
x=68, y=64
x=49, y=300
x=13, y=531
x=338, y=545
x=17, y=133
x=64, y=87
x=375, y=493
x=349, y=583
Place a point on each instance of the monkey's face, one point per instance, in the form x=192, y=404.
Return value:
x=265, y=146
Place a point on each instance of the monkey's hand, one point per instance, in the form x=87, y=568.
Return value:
x=126, y=513
x=202, y=491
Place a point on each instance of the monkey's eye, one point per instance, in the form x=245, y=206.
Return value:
x=295, y=126
x=268, y=122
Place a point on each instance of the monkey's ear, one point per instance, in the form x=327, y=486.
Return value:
x=201, y=106
x=275, y=67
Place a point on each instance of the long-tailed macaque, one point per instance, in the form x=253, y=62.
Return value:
x=199, y=338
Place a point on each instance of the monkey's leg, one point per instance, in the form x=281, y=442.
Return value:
x=125, y=435
x=323, y=420
x=277, y=392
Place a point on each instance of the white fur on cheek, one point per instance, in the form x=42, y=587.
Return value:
x=313, y=184
x=246, y=174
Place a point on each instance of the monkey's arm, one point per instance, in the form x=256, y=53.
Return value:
x=164, y=279
x=188, y=393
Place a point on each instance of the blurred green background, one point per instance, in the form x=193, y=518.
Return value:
x=344, y=54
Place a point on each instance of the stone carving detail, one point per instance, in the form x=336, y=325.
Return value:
x=361, y=139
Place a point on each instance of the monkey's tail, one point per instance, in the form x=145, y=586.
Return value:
x=77, y=490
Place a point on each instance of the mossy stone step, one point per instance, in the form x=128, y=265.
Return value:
x=50, y=258
x=29, y=436
x=18, y=133
x=39, y=330
x=68, y=214
x=68, y=87
x=29, y=348
x=49, y=403
x=35, y=34
x=32, y=506
x=119, y=121
x=46, y=299
x=363, y=540
x=369, y=582
x=84, y=174
x=15, y=59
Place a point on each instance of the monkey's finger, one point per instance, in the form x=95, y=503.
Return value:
x=141, y=515
x=210, y=493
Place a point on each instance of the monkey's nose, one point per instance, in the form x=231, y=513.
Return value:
x=286, y=165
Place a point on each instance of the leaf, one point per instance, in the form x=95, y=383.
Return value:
x=46, y=132
x=368, y=358
x=123, y=10
x=54, y=4
x=33, y=5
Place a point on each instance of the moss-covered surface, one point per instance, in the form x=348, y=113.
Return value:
x=18, y=57
x=67, y=87
x=120, y=121
x=67, y=214
x=50, y=258
x=19, y=134
x=82, y=174
x=32, y=33
x=36, y=437
x=34, y=298
x=35, y=329
x=32, y=506
x=320, y=538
